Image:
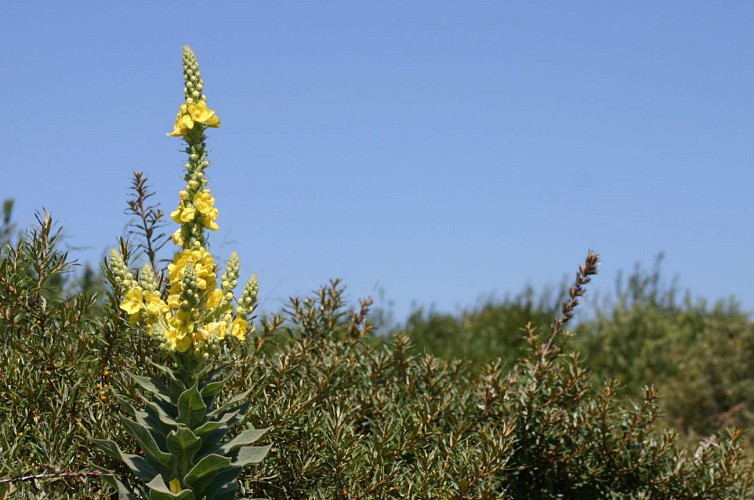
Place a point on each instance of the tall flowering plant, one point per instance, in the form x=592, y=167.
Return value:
x=181, y=428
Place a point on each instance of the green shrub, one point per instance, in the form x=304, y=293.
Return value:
x=50, y=365
x=353, y=415
x=698, y=356
x=492, y=330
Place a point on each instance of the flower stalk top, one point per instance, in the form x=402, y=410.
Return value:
x=194, y=312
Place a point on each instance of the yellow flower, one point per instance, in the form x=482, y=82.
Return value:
x=178, y=238
x=132, y=301
x=238, y=328
x=174, y=300
x=178, y=335
x=201, y=114
x=209, y=222
x=192, y=113
x=184, y=213
x=204, y=203
x=204, y=268
x=182, y=321
x=215, y=298
x=213, y=329
x=154, y=304
x=183, y=122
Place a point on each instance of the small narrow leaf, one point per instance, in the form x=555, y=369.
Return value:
x=231, y=404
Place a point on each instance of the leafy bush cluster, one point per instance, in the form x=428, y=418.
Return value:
x=490, y=331
x=351, y=414
x=697, y=356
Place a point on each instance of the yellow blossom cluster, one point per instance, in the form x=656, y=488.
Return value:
x=192, y=313
x=191, y=113
x=203, y=265
x=181, y=323
x=202, y=203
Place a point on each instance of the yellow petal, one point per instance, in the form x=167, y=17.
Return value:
x=175, y=485
x=212, y=121
x=132, y=301
x=238, y=328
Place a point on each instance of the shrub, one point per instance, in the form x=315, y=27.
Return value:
x=492, y=330
x=698, y=356
x=355, y=418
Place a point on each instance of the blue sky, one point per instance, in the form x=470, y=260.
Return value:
x=441, y=151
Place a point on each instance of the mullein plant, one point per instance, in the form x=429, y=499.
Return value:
x=182, y=426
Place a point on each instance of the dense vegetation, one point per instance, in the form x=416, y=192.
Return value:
x=696, y=355
x=476, y=405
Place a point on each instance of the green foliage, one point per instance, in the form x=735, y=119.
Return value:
x=148, y=221
x=488, y=332
x=181, y=430
x=351, y=414
x=49, y=363
x=354, y=418
x=698, y=356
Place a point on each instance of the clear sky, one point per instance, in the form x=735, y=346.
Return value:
x=438, y=150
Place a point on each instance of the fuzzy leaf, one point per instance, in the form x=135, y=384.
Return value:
x=109, y=447
x=148, y=444
x=183, y=444
x=167, y=405
x=160, y=491
x=176, y=385
x=211, y=441
x=205, y=471
x=251, y=455
x=191, y=407
x=216, y=424
x=140, y=467
x=244, y=438
x=124, y=404
x=164, y=369
x=150, y=384
x=165, y=419
x=149, y=421
x=212, y=389
x=224, y=485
